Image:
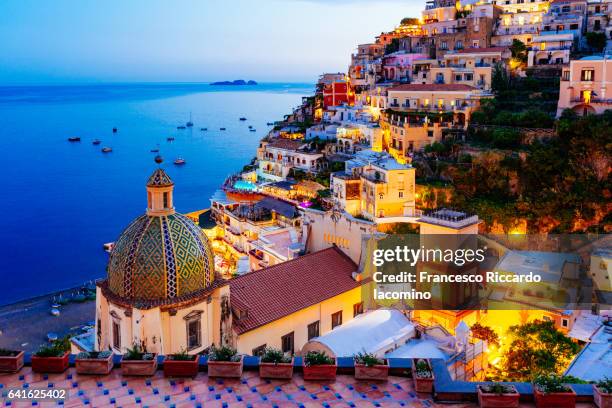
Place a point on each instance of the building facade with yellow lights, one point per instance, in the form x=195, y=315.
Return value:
x=585, y=86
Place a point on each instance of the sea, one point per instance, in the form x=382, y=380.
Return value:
x=61, y=201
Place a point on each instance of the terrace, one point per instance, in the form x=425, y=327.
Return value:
x=250, y=390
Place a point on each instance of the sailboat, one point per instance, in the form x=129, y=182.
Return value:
x=190, y=123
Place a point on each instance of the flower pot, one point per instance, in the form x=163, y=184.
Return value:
x=601, y=399
x=181, y=368
x=554, y=399
x=323, y=372
x=505, y=400
x=99, y=366
x=225, y=369
x=282, y=371
x=378, y=372
x=50, y=364
x=422, y=384
x=11, y=364
x=139, y=367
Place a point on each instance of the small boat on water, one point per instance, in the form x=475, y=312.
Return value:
x=179, y=161
x=154, y=150
x=243, y=119
x=253, y=130
x=96, y=142
x=190, y=123
x=54, y=312
x=270, y=123
x=74, y=139
x=250, y=126
x=203, y=129
x=114, y=130
x=170, y=139
x=221, y=128
x=107, y=149
x=181, y=127
x=108, y=246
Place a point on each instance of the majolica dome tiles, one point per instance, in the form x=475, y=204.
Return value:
x=159, y=178
x=160, y=257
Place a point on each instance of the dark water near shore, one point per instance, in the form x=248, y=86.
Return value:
x=61, y=201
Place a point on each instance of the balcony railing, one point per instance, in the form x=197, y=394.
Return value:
x=593, y=100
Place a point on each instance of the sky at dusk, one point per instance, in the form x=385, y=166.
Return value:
x=84, y=41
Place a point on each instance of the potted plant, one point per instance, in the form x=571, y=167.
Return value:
x=273, y=363
x=371, y=368
x=94, y=362
x=602, y=393
x=319, y=366
x=422, y=376
x=498, y=396
x=10, y=360
x=52, y=358
x=550, y=392
x=137, y=361
x=224, y=362
x=181, y=364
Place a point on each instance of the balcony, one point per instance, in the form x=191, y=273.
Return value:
x=600, y=101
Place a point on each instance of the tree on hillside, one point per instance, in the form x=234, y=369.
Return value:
x=485, y=333
x=500, y=81
x=536, y=347
x=392, y=47
x=409, y=21
x=596, y=41
x=519, y=51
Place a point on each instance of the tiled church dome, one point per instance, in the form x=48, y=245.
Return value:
x=162, y=254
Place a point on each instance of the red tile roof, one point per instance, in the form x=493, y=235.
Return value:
x=287, y=144
x=480, y=50
x=433, y=87
x=269, y=294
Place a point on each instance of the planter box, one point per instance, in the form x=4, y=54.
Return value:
x=281, y=371
x=181, y=368
x=11, y=364
x=225, y=369
x=325, y=372
x=601, y=399
x=99, y=366
x=505, y=400
x=379, y=372
x=139, y=367
x=554, y=399
x=422, y=384
x=50, y=364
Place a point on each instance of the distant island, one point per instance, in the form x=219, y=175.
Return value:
x=235, y=82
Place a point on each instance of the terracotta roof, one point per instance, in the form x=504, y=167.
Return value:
x=287, y=144
x=272, y=293
x=433, y=87
x=480, y=50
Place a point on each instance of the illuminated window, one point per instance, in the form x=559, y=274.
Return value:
x=587, y=75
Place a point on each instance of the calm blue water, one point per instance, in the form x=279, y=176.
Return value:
x=61, y=201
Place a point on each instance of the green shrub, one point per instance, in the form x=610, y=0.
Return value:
x=56, y=349
x=605, y=385
x=506, y=138
x=96, y=355
x=497, y=388
x=548, y=383
x=223, y=353
x=314, y=358
x=138, y=352
x=422, y=369
x=368, y=359
x=182, y=355
x=276, y=356
x=8, y=353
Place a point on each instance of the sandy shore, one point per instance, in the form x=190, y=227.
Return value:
x=24, y=325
